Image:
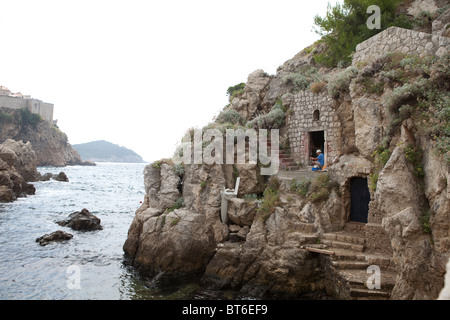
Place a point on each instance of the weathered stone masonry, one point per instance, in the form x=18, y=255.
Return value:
x=45, y=110
x=401, y=40
x=312, y=113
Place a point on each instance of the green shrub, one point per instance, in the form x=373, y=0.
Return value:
x=425, y=221
x=229, y=116
x=275, y=119
x=301, y=186
x=340, y=82
x=29, y=119
x=344, y=26
x=270, y=198
x=373, y=178
x=5, y=117
x=268, y=203
x=303, y=79
x=414, y=155
x=250, y=197
x=321, y=194
x=178, y=204
x=381, y=156
x=321, y=187
x=174, y=221
x=235, y=90
x=404, y=94
x=179, y=169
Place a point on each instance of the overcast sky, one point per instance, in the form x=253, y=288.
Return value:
x=140, y=73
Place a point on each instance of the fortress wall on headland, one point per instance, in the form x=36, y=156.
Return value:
x=45, y=110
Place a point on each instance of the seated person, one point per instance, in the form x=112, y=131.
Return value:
x=320, y=160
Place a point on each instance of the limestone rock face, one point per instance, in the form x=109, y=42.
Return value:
x=255, y=89
x=161, y=185
x=242, y=212
x=48, y=142
x=17, y=166
x=402, y=203
x=368, y=125
x=179, y=243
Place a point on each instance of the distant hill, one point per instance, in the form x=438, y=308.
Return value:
x=104, y=151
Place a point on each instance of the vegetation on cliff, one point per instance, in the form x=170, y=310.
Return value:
x=47, y=140
x=344, y=27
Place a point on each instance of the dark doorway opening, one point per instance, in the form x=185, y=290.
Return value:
x=316, y=141
x=360, y=198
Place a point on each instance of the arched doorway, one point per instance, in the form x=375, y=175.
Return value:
x=360, y=198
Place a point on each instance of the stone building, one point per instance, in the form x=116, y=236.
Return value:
x=313, y=125
x=19, y=101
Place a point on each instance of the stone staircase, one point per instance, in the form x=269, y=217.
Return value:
x=349, y=261
x=286, y=161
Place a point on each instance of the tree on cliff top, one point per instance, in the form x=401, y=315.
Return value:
x=344, y=26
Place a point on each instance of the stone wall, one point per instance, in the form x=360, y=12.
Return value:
x=402, y=40
x=301, y=122
x=45, y=110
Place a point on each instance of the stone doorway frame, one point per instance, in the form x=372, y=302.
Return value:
x=308, y=145
x=347, y=196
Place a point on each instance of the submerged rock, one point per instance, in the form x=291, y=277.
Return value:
x=81, y=220
x=54, y=236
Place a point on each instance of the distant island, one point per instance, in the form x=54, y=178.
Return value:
x=104, y=151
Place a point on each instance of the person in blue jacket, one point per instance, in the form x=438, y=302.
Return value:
x=320, y=161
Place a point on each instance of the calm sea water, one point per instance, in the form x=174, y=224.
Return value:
x=91, y=264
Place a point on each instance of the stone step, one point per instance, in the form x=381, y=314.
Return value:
x=355, y=226
x=354, y=238
x=368, y=293
x=305, y=227
x=346, y=264
x=344, y=245
x=357, y=278
x=348, y=255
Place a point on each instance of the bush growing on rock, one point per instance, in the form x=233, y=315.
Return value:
x=270, y=199
x=339, y=84
x=301, y=186
x=344, y=26
x=230, y=116
x=303, y=79
x=235, y=90
x=275, y=119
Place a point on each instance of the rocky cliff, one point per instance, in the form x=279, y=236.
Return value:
x=17, y=167
x=385, y=121
x=49, y=143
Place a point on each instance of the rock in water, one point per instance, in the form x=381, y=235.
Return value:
x=54, y=236
x=81, y=220
x=62, y=177
x=58, y=177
